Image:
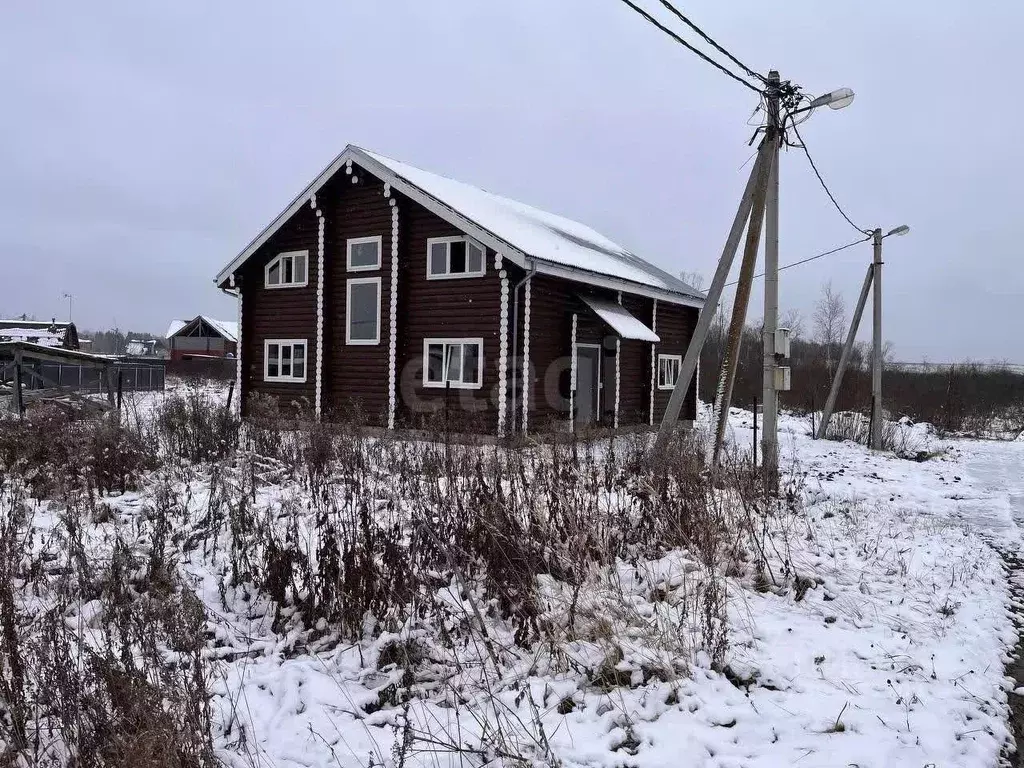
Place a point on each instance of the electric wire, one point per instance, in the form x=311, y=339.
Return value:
x=707, y=38
x=821, y=180
x=689, y=47
x=811, y=258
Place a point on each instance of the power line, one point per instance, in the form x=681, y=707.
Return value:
x=812, y=258
x=689, y=47
x=679, y=14
x=824, y=186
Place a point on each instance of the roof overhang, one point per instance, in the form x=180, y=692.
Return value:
x=620, y=319
x=453, y=217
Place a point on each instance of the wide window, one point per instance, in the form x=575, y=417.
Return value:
x=364, y=253
x=455, y=363
x=668, y=370
x=284, y=360
x=288, y=270
x=362, y=311
x=452, y=257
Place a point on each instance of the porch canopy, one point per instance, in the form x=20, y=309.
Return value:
x=620, y=320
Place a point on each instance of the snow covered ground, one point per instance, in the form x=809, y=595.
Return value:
x=894, y=657
x=886, y=646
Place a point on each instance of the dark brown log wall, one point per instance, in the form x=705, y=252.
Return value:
x=456, y=308
x=355, y=383
x=675, y=327
x=280, y=313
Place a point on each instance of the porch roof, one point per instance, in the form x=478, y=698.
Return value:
x=620, y=319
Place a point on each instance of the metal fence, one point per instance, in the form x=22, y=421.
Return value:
x=140, y=376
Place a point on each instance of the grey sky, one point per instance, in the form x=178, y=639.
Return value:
x=143, y=144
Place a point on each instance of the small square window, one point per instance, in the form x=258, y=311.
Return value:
x=285, y=360
x=364, y=253
x=455, y=363
x=668, y=370
x=455, y=257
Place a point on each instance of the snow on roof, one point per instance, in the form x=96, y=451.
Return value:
x=621, y=320
x=226, y=328
x=536, y=233
x=525, y=235
x=44, y=337
x=175, y=326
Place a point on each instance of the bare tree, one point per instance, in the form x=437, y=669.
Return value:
x=692, y=279
x=830, y=321
x=794, y=320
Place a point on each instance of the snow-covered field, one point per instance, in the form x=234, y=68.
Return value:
x=885, y=646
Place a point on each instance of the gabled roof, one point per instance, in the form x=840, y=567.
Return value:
x=226, y=328
x=45, y=333
x=523, y=234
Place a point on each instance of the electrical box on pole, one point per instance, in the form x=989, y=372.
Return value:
x=783, y=378
x=782, y=336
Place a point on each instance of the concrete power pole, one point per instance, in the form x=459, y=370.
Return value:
x=844, y=360
x=769, y=393
x=707, y=312
x=876, y=343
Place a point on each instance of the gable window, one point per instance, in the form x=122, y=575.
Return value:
x=362, y=311
x=284, y=360
x=453, y=257
x=668, y=370
x=457, y=363
x=364, y=253
x=288, y=270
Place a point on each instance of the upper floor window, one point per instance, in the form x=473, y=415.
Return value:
x=668, y=370
x=452, y=257
x=362, y=311
x=288, y=270
x=364, y=253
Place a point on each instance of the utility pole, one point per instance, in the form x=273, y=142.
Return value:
x=874, y=276
x=710, y=307
x=769, y=395
x=727, y=377
x=876, y=339
x=845, y=358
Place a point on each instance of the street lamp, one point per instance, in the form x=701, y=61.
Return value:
x=837, y=99
x=876, y=333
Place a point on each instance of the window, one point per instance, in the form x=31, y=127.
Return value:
x=288, y=270
x=668, y=370
x=284, y=360
x=457, y=363
x=362, y=311
x=453, y=257
x=364, y=253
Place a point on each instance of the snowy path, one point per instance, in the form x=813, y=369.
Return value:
x=998, y=468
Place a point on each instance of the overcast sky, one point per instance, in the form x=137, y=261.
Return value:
x=143, y=144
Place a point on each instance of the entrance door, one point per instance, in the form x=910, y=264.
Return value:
x=588, y=374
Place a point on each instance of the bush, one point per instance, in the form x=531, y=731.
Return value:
x=51, y=452
x=197, y=427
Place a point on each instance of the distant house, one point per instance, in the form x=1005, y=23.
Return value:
x=140, y=348
x=47, y=334
x=401, y=296
x=201, y=337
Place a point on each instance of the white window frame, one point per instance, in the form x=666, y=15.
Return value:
x=378, y=239
x=447, y=275
x=277, y=260
x=454, y=384
x=285, y=343
x=348, y=311
x=678, y=360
